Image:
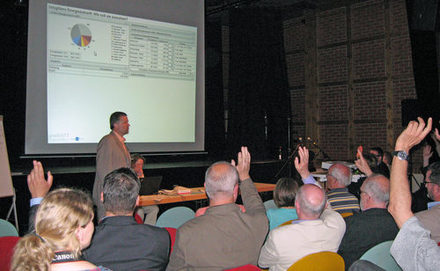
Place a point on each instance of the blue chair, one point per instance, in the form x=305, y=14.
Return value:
x=269, y=204
x=175, y=217
x=380, y=255
x=7, y=229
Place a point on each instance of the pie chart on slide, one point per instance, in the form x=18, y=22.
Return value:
x=81, y=35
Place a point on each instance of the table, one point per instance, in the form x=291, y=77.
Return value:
x=321, y=176
x=197, y=193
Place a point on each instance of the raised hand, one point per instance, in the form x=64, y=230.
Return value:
x=362, y=164
x=37, y=184
x=244, y=163
x=302, y=163
x=414, y=133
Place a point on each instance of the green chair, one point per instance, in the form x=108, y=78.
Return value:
x=380, y=255
x=7, y=229
x=175, y=217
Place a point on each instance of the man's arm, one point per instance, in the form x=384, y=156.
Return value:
x=249, y=194
x=362, y=164
x=412, y=248
x=38, y=187
x=400, y=197
x=302, y=166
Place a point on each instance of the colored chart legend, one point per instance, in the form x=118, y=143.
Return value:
x=81, y=35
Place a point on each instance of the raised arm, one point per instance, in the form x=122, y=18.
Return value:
x=302, y=166
x=243, y=165
x=362, y=164
x=39, y=187
x=37, y=184
x=302, y=162
x=400, y=197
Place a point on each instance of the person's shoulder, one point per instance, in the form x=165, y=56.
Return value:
x=109, y=136
x=272, y=211
x=151, y=229
x=377, y=215
x=429, y=213
x=290, y=231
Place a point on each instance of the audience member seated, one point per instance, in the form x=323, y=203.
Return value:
x=342, y=201
x=366, y=164
x=373, y=225
x=119, y=242
x=147, y=213
x=285, y=191
x=63, y=227
x=413, y=249
x=420, y=198
x=381, y=168
x=224, y=237
x=202, y=210
x=430, y=218
x=284, y=198
x=315, y=230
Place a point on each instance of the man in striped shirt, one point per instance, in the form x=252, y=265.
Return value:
x=342, y=201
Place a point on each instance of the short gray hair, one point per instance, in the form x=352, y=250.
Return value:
x=435, y=178
x=340, y=176
x=377, y=191
x=220, y=181
x=308, y=207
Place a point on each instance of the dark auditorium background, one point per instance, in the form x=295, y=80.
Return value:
x=341, y=73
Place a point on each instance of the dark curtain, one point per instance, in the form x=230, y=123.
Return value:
x=13, y=25
x=214, y=118
x=258, y=89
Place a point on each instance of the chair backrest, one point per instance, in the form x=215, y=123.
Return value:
x=247, y=267
x=7, y=244
x=320, y=261
x=286, y=223
x=269, y=204
x=7, y=229
x=172, y=232
x=380, y=255
x=175, y=217
x=346, y=214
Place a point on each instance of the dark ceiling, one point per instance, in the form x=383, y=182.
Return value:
x=217, y=9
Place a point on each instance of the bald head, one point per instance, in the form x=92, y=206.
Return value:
x=375, y=192
x=220, y=180
x=340, y=176
x=310, y=201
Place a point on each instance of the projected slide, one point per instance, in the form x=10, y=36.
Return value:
x=81, y=35
x=98, y=63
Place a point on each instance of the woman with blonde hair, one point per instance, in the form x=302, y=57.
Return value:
x=63, y=227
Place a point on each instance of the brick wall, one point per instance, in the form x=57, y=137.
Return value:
x=364, y=68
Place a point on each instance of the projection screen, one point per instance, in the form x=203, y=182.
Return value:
x=87, y=59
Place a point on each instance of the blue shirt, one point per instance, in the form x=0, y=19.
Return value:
x=278, y=216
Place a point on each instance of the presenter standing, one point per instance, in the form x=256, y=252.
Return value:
x=111, y=154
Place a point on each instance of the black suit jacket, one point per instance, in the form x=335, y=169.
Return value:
x=365, y=230
x=119, y=243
